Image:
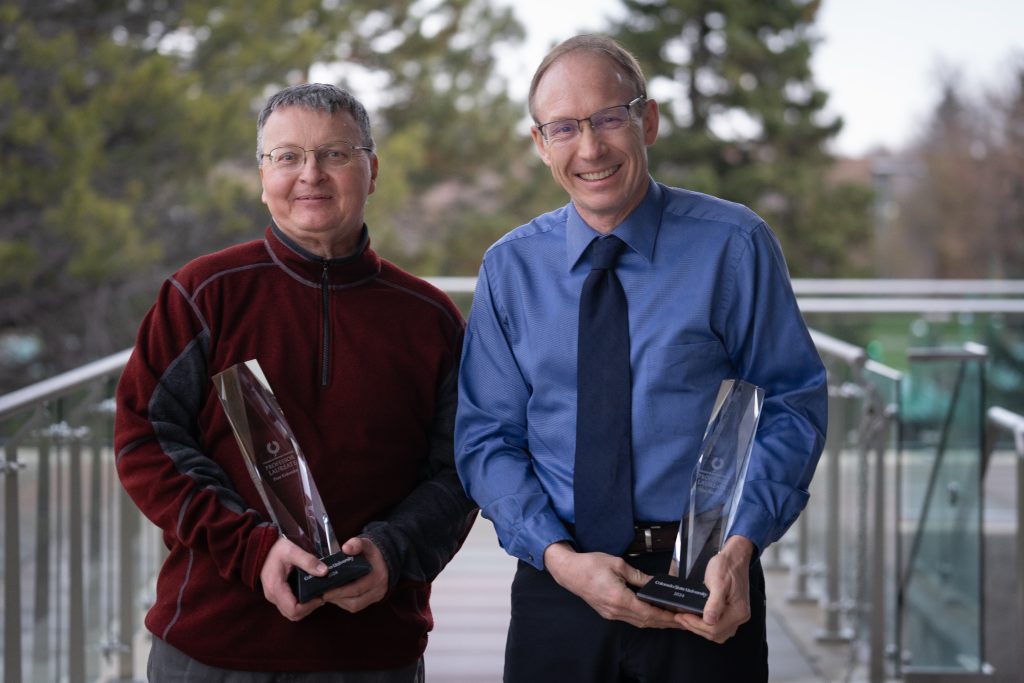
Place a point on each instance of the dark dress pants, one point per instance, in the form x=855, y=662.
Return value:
x=555, y=636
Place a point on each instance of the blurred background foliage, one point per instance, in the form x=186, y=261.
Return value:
x=127, y=146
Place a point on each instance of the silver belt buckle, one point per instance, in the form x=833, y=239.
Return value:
x=648, y=540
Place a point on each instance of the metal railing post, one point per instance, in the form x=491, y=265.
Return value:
x=833, y=631
x=44, y=568
x=876, y=659
x=12, y=568
x=854, y=358
x=771, y=559
x=76, y=561
x=800, y=569
x=128, y=557
x=1019, y=438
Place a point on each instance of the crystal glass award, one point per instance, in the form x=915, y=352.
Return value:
x=714, y=494
x=282, y=477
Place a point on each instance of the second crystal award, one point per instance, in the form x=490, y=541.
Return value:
x=714, y=494
x=282, y=477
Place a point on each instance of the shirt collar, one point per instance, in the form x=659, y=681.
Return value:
x=639, y=230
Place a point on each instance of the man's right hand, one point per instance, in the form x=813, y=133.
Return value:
x=601, y=580
x=282, y=557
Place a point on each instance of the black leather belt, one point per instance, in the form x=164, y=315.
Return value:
x=654, y=538
x=657, y=537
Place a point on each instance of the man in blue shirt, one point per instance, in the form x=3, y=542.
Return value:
x=709, y=298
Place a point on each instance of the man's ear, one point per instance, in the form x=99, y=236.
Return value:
x=374, y=168
x=651, y=118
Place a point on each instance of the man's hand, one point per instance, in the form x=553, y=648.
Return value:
x=367, y=589
x=282, y=557
x=728, y=581
x=601, y=580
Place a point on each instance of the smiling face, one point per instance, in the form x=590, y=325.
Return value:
x=605, y=173
x=320, y=208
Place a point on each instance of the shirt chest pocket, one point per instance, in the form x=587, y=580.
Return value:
x=681, y=385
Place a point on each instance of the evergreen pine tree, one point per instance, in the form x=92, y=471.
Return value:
x=742, y=118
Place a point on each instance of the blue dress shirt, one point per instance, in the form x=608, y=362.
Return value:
x=709, y=299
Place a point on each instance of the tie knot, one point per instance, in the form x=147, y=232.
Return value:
x=606, y=252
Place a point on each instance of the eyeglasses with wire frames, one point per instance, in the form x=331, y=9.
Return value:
x=566, y=130
x=331, y=155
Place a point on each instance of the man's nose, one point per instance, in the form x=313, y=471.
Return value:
x=311, y=166
x=590, y=144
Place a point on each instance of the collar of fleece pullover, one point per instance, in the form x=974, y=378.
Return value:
x=363, y=264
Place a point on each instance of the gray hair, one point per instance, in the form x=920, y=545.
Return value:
x=598, y=45
x=323, y=97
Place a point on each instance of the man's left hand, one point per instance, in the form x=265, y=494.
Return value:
x=728, y=581
x=283, y=556
x=366, y=590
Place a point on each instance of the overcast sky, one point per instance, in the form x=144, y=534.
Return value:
x=880, y=59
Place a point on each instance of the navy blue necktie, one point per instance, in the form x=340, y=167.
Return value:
x=603, y=474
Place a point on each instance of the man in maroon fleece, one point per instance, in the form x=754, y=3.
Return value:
x=363, y=359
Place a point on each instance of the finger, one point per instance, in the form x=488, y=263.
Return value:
x=349, y=591
x=304, y=609
x=714, y=608
x=630, y=609
x=719, y=633
x=359, y=593
x=635, y=577
x=682, y=622
x=289, y=607
x=695, y=624
x=654, y=617
x=718, y=595
x=295, y=556
x=353, y=546
x=355, y=603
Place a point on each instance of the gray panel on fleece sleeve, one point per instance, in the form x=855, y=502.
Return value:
x=173, y=412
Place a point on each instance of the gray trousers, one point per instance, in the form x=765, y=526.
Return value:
x=167, y=664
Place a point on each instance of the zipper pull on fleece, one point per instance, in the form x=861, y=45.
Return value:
x=325, y=314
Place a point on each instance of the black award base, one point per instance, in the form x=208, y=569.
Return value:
x=341, y=569
x=674, y=593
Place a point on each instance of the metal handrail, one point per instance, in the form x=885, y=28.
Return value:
x=872, y=296
x=63, y=384
x=997, y=420
x=846, y=287
x=853, y=356
x=907, y=287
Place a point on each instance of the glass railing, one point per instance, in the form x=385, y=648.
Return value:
x=77, y=555
x=941, y=512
